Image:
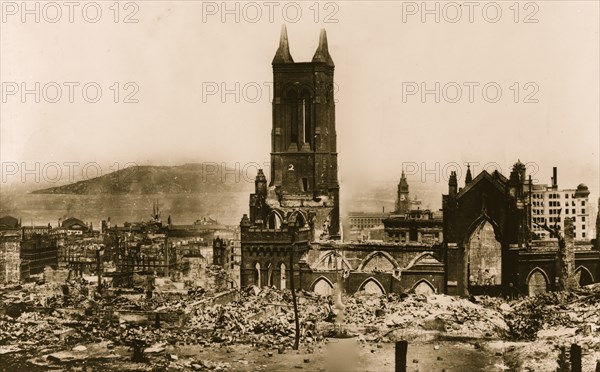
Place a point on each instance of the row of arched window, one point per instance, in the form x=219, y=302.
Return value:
x=538, y=280
x=324, y=287
x=270, y=276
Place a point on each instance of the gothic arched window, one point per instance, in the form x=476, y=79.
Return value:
x=306, y=112
x=292, y=103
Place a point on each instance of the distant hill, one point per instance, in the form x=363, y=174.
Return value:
x=188, y=178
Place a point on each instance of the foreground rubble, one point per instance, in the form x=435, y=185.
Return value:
x=70, y=324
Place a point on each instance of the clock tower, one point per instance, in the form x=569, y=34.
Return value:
x=303, y=137
x=402, y=204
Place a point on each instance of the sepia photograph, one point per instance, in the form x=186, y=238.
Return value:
x=355, y=185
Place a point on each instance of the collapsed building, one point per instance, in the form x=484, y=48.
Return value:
x=177, y=252
x=484, y=242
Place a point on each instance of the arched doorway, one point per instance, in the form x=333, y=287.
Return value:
x=485, y=257
x=269, y=275
x=274, y=220
x=371, y=286
x=282, y=276
x=537, y=282
x=424, y=288
x=322, y=287
x=257, y=275
x=583, y=276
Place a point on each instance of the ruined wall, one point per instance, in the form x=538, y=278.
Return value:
x=376, y=267
x=10, y=262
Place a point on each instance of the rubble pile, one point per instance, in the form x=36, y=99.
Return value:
x=536, y=316
x=265, y=319
x=530, y=315
x=262, y=319
x=26, y=332
x=55, y=317
x=450, y=315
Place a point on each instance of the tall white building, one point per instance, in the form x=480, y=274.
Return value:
x=551, y=205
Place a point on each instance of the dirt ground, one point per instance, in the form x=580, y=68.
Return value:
x=332, y=355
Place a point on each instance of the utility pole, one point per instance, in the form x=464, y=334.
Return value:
x=292, y=229
x=99, y=248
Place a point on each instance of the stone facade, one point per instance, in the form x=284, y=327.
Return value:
x=483, y=243
x=489, y=242
x=10, y=260
x=301, y=203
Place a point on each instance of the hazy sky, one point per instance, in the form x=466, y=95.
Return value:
x=178, y=50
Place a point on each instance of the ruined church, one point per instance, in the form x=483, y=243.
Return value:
x=484, y=244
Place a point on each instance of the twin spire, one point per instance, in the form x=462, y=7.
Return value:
x=322, y=53
x=283, y=52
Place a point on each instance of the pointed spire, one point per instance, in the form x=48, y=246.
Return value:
x=322, y=53
x=283, y=52
x=403, y=184
x=260, y=176
x=452, y=181
x=468, y=177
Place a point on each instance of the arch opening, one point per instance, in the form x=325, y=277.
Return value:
x=423, y=287
x=583, y=276
x=378, y=262
x=372, y=286
x=274, y=220
x=257, y=274
x=322, y=287
x=537, y=282
x=282, y=276
x=269, y=275
x=332, y=261
x=484, y=257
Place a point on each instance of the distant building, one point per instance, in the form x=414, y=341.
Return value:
x=39, y=251
x=31, y=231
x=80, y=255
x=551, y=205
x=145, y=254
x=74, y=226
x=9, y=223
x=364, y=225
x=415, y=226
x=227, y=253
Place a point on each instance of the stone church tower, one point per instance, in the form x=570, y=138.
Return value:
x=303, y=138
x=300, y=203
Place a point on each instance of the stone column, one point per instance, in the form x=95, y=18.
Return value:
x=566, y=257
x=598, y=226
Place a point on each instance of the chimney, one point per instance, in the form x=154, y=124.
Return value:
x=554, y=178
x=567, y=258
